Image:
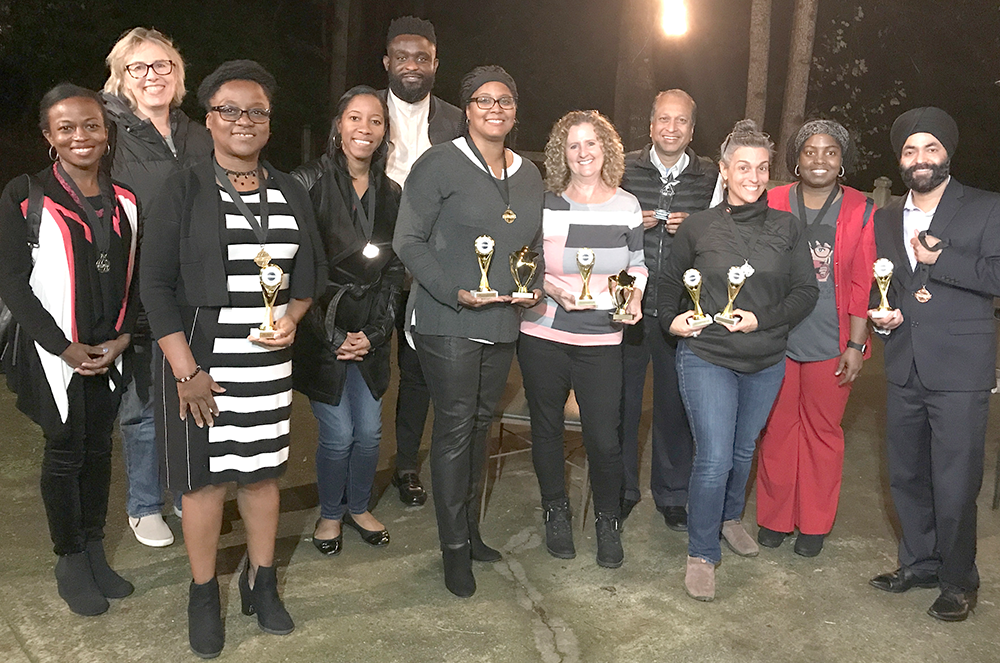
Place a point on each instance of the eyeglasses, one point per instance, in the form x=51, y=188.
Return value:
x=233, y=114
x=486, y=103
x=140, y=69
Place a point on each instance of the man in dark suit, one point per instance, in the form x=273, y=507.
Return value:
x=417, y=120
x=943, y=239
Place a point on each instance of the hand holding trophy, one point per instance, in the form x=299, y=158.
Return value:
x=522, y=268
x=883, y=275
x=621, y=286
x=692, y=281
x=585, y=260
x=484, y=254
x=736, y=278
x=270, y=281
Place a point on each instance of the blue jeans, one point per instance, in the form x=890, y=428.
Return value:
x=142, y=466
x=727, y=411
x=347, y=454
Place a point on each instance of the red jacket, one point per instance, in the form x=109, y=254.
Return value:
x=853, y=254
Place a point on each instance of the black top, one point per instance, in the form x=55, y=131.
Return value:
x=781, y=292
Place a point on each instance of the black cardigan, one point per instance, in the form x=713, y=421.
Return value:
x=183, y=262
x=781, y=292
x=361, y=294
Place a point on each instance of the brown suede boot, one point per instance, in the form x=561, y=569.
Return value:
x=699, y=579
x=738, y=540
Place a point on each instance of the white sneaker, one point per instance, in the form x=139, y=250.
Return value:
x=151, y=531
x=177, y=510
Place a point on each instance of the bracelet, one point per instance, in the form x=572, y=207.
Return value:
x=197, y=370
x=856, y=346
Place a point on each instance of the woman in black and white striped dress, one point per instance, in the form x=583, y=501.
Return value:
x=212, y=244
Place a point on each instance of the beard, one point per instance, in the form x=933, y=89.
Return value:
x=410, y=92
x=924, y=184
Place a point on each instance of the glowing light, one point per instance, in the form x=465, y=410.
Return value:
x=675, y=19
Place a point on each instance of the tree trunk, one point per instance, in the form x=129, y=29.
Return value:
x=338, y=18
x=634, y=87
x=797, y=81
x=760, y=45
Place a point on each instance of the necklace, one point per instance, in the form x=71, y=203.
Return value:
x=245, y=174
x=508, y=215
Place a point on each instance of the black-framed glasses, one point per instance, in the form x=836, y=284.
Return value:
x=140, y=69
x=233, y=114
x=485, y=103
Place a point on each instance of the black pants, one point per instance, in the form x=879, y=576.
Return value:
x=550, y=370
x=935, y=443
x=672, y=443
x=411, y=403
x=466, y=380
x=76, y=466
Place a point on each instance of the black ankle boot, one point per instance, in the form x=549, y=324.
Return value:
x=609, y=541
x=77, y=586
x=478, y=550
x=263, y=600
x=112, y=585
x=458, y=576
x=559, y=528
x=205, y=633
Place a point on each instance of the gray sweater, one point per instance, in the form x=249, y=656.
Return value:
x=447, y=203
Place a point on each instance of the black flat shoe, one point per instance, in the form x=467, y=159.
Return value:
x=770, y=538
x=373, y=538
x=809, y=545
x=676, y=517
x=953, y=606
x=329, y=547
x=901, y=580
x=411, y=491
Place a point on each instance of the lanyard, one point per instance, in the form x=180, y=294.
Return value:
x=259, y=229
x=365, y=217
x=100, y=223
x=823, y=210
x=508, y=214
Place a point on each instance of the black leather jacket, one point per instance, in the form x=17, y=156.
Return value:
x=362, y=293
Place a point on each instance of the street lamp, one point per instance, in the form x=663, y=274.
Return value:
x=674, y=20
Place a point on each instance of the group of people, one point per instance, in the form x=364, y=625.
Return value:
x=254, y=283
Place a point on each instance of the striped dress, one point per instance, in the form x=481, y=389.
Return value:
x=249, y=440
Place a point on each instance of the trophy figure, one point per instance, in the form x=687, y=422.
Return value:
x=736, y=279
x=883, y=275
x=692, y=281
x=621, y=286
x=522, y=268
x=585, y=259
x=270, y=280
x=484, y=253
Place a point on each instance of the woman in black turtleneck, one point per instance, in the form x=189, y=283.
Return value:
x=730, y=373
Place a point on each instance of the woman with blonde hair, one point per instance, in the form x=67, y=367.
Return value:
x=566, y=343
x=150, y=137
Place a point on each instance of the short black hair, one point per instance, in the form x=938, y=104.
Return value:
x=236, y=70
x=332, y=147
x=62, y=92
x=410, y=25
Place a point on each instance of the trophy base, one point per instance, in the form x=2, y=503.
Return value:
x=257, y=332
x=485, y=294
x=879, y=314
x=726, y=319
x=522, y=295
x=699, y=321
x=589, y=302
x=619, y=317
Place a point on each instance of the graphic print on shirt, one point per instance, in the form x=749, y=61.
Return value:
x=821, y=238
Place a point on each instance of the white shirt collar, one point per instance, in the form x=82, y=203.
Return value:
x=675, y=170
x=406, y=108
x=463, y=145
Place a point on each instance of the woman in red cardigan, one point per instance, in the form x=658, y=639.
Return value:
x=802, y=448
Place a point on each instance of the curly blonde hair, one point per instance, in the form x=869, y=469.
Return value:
x=557, y=174
x=119, y=56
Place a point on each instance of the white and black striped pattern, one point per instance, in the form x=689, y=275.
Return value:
x=251, y=433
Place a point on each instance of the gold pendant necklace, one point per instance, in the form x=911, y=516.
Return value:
x=509, y=215
x=263, y=258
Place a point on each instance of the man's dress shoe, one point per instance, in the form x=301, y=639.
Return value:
x=901, y=580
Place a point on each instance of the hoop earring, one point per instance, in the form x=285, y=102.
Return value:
x=796, y=170
x=842, y=171
x=107, y=149
x=52, y=156
x=338, y=141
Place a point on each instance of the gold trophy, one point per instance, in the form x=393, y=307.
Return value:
x=736, y=279
x=622, y=287
x=585, y=260
x=692, y=281
x=522, y=268
x=270, y=281
x=883, y=275
x=484, y=253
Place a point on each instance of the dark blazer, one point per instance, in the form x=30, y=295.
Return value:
x=444, y=121
x=952, y=337
x=361, y=293
x=183, y=262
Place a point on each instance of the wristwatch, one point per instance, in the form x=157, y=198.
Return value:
x=857, y=346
